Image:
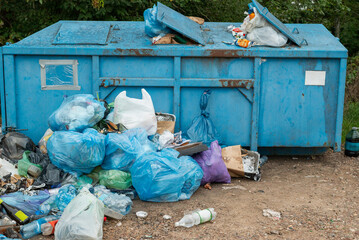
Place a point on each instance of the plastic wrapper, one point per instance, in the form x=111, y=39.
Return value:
x=135, y=113
x=44, y=139
x=162, y=177
x=123, y=149
x=82, y=218
x=202, y=128
x=77, y=152
x=29, y=204
x=14, y=144
x=153, y=27
x=60, y=200
x=77, y=113
x=212, y=164
x=115, y=179
x=118, y=203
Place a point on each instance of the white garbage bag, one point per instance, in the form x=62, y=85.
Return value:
x=260, y=31
x=135, y=113
x=258, y=21
x=82, y=218
x=268, y=36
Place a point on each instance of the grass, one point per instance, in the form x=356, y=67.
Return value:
x=350, y=118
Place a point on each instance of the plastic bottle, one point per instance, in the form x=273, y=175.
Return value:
x=48, y=228
x=14, y=213
x=196, y=218
x=34, y=228
x=6, y=221
x=352, y=143
x=118, y=203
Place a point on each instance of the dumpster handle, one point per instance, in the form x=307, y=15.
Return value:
x=304, y=42
x=295, y=30
x=265, y=11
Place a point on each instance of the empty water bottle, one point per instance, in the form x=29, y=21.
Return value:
x=196, y=218
x=118, y=203
x=352, y=143
x=34, y=228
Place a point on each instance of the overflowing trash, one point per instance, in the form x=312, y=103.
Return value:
x=96, y=158
x=256, y=30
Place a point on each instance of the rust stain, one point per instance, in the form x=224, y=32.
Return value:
x=303, y=94
x=236, y=83
x=229, y=53
x=135, y=52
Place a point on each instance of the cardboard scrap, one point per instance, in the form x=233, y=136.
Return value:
x=233, y=159
x=198, y=20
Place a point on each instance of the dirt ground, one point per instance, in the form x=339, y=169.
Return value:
x=317, y=197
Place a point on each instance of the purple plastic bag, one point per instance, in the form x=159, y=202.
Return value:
x=212, y=164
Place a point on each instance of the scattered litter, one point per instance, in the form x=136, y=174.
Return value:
x=167, y=217
x=241, y=162
x=141, y=214
x=119, y=224
x=234, y=187
x=198, y=217
x=271, y=214
x=208, y=186
x=118, y=203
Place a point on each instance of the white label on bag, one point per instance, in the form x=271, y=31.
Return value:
x=315, y=78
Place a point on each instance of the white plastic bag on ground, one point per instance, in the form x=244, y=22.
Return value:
x=135, y=113
x=82, y=218
x=267, y=36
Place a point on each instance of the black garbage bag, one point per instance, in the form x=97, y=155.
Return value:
x=53, y=177
x=14, y=144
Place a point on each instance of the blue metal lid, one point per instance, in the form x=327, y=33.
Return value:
x=277, y=23
x=82, y=33
x=180, y=23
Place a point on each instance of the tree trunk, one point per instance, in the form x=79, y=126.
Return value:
x=337, y=28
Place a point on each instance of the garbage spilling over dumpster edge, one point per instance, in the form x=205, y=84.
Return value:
x=95, y=157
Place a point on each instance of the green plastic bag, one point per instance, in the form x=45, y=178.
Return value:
x=82, y=181
x=115, y=179
x=28, y=169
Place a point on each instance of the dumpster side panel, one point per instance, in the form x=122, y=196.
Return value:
x=2, y=92
x=34, y=105
x=295, y=113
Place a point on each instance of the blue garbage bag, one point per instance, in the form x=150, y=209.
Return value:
x=76, y=152
x=123, y=149
x=77, y=113
x=202, y=128
x=162, y=177
x=153, y=27
x=28, y=204
x=60, y=200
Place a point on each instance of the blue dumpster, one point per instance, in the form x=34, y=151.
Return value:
x=285, y=100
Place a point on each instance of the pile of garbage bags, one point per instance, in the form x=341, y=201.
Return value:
x=86, y=166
